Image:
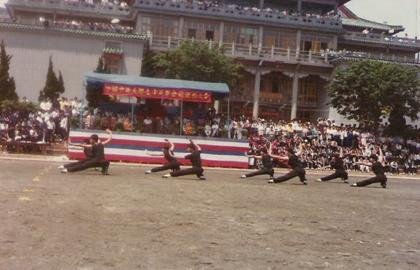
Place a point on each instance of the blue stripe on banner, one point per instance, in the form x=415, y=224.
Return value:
x=159, y=149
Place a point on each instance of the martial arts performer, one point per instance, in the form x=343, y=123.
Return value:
x=195, y=158
x=267, y=164
x=294, y=162
x=377, y=164
x=168, y=153
x=337, y=164
x=97, y=158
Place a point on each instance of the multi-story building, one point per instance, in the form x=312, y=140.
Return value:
x=289, y=48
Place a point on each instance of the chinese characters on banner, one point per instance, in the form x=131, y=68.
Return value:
x=157, y=93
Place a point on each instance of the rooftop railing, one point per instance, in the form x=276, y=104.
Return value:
x=79, y=6
x=382, y=39
x=250, y=15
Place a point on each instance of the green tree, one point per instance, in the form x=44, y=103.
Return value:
x=102, y=67
x=368, y=90
x=61, y=87
x=94, y=94
x=7, y=83
x=197, y=62
x=51, y=89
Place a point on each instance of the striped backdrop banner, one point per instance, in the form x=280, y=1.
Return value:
x=133, y=147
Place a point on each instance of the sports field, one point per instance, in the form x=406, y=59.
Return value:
x=130, y=220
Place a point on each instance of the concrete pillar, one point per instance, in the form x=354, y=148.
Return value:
x=299, y=6
x=334, y=44
x=257, y=85
x=139, y=24
x=260, y=37
x=181, y=27
x=216, y=105
x=261, y=4
x=298, y=41
x=221, y=32
x=295, y=92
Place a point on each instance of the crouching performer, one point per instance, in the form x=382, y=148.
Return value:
x=96, y=157
x=267, y=165
x=377, y=164
x=294, y=163
x=195, y=158
x=168, y=153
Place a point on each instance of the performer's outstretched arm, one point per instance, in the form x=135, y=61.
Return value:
x=197, y=147
x=109, y=137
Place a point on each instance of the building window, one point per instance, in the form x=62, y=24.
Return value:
x=191, y=33
x=204, y=30
x=308, y=90
x=209, y=35
x=159, y=26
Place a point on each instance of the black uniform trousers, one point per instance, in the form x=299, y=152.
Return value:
x=174, y=166
x=86, y=164
x=269, y=171
x=194, y=170
x=337, y=174
x=379, y=178
x=296, y=172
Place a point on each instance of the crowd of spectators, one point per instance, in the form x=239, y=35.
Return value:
x=121, y=5
x=318, y=142
x=28, y=130
x=250, y=8
x=93, y=26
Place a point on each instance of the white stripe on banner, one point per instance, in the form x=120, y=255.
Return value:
x=159, y=138
x=141, y=153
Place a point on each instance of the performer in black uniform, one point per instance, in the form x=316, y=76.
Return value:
x=97, y=158
x=377, y=164
x=168, y=153
x=294, y=163
x=195, y=159
x=267, y=163
x=338, y=165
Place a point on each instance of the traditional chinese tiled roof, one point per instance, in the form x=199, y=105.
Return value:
x=93, y=33
x=351, y=19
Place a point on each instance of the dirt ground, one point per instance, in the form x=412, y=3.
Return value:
x=132, y=221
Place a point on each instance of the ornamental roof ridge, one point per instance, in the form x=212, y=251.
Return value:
x=74, y=31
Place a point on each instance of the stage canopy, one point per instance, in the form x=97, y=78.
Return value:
x=156, y=88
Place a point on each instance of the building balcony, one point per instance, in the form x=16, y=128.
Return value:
x=248, y=52
x=71, y=7
x=390, y=41
x=272, y=18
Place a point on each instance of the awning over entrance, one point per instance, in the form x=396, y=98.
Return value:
x=156, y=88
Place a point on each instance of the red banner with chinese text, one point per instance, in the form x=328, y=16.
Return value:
x=157, y=93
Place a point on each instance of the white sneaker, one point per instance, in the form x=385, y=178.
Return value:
x=64, y=171
x=271, y=181
x=243, y=176
x=319, y=180
x=353, y=185
x=166, y=175
x=61, y=167
x=148, y=172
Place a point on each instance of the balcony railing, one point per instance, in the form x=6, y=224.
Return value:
x=267, y=17
x=79, y=6
x=353, y=55
x=250, y=51
x=382, y=39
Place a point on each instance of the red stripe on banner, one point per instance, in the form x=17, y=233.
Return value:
x=158, y=160
x=204, y=147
